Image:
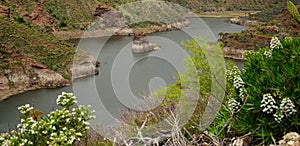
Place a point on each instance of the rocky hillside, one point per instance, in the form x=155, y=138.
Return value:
x=258, y=36
x=200, y=6
x=54, y=15
x=30, y=59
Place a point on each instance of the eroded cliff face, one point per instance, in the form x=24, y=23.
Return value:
x=18, y=82
x=30, y=59
x=36, y=76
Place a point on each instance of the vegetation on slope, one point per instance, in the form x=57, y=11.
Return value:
x=58, y=14
x=260, y=35
x=78, y=14
x=199, y=6
x=22, y=46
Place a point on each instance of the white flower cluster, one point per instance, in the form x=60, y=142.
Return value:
x=287, y=107
x=242, y=93
x=9, y=140
x=233, y=76
x=278, y=116
x=66, y=99
x=60, y=127
x=233, y=105
x=268, y=103
x=275, y=43
x=25, y=109
x=233, y=72
x=268, y=54
x=238, y=82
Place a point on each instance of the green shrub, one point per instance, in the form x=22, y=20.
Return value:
x=264, y=96
x=172, y=94
x=62, y=24
x=20, y=20
x=293, y=10
x=60, y=127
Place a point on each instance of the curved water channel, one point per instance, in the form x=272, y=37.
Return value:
x=140, y=75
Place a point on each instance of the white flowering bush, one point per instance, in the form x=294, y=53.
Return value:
x=264, y=97
x=60, y=127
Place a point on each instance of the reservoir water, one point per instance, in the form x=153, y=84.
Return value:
x=93, y=89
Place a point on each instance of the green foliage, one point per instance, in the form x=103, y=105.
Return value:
x=75, y=13
x=270, y=107
x=172, y=94
x=293, y=10
x=60, y=127
x=20, y=20
x=62, y=24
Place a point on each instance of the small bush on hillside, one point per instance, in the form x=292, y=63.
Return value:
x=62, y=24
x=20, y=20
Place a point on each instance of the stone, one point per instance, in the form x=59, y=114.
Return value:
x=290, y=139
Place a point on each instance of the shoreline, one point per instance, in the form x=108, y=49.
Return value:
x=45, y=78
x=89, y=66
x=78, y=34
